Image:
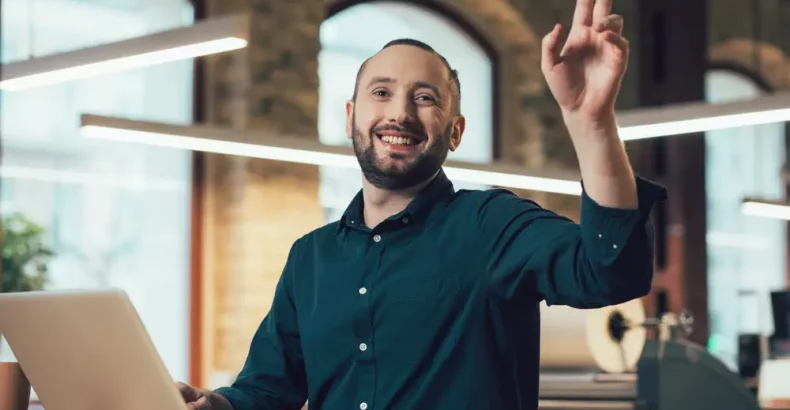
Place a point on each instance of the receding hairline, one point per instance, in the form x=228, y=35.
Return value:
x=452, y=78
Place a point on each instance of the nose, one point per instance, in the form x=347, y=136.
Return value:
x=400, y=110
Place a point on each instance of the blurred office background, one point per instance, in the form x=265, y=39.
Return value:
x=198, y=239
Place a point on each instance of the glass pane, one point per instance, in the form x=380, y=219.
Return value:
x=37, y=27
x=746, y=255
x=115, y=214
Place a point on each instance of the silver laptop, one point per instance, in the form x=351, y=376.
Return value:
x=86, y=350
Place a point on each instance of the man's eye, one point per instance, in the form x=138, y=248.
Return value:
x=425, y=97
x=381, y=93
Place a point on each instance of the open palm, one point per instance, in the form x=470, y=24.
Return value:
x=585, y=74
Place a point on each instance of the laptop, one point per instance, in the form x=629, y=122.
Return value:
x=86, y=350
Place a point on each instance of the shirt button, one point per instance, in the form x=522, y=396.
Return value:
x=363, y=405
x=363, y=347
x=614, y=246
x=405, y=219
x=376, y=238
x=363, y=291
x=600, y=236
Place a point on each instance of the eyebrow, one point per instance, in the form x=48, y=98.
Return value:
x=418, y=84
x=379, y=80
x=422, y=84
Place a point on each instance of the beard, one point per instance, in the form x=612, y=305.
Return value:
x=392, y=177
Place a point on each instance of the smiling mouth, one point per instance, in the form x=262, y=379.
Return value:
x=400, y=140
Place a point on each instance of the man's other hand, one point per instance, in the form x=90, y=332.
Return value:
x=201, y=399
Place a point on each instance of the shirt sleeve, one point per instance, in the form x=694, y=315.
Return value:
x=273, y=376
x=534, y=253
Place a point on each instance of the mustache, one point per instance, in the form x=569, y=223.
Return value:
x=410, y=129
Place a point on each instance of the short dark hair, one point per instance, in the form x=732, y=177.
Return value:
x=455, y=90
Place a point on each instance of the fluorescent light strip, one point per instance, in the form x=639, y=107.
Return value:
x=517, y=181
x=204, y=38
x=766, y=209
x=61, y=176
x=738, y=241
x=123, y=64
x=298, y=150
x=681, y=119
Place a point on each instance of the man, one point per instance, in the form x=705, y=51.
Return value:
x=425, y=298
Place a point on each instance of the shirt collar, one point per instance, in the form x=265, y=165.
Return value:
x=418, y=210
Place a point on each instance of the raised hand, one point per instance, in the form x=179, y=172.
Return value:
x=585, y=74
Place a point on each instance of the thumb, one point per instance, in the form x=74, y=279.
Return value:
x=551, y=49
x=188, y=393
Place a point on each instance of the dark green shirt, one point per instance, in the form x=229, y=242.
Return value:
x=437, y=307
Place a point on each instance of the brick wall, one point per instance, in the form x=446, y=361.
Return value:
x=256, y=209
x=753, y=39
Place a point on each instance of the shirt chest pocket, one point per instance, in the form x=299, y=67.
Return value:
x=416, y=316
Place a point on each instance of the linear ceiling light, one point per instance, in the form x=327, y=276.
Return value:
x=306, y=151
x=690, y=118
x=63, y=176
x=766, y=208
x=211, y=36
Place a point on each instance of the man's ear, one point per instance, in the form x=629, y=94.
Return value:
x=459, y=125
x=350, y=119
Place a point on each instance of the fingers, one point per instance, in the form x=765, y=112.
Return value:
x=612, y=22
x=551, y=49
x=589, y=11
x=619, y=42
x=187, y=393
x=195, y=399
x=200, y=404
x=582, y=16
x=602, y=9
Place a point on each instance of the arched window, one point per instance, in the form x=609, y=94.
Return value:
x=746, y=254
x=356, y=33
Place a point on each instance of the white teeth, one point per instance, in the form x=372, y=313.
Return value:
x=389, y=139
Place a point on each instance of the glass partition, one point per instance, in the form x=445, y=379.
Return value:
x=746, y=254
x=116, y=215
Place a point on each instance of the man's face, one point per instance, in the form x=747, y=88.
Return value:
x=401, y=122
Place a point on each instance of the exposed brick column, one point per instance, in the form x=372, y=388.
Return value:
x=255, y=209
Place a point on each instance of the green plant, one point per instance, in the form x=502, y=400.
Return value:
x=25, y=255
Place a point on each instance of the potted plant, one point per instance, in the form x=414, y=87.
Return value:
x=25, y=258
x=25, y=255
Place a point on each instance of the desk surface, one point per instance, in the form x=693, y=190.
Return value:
x=37, y=406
